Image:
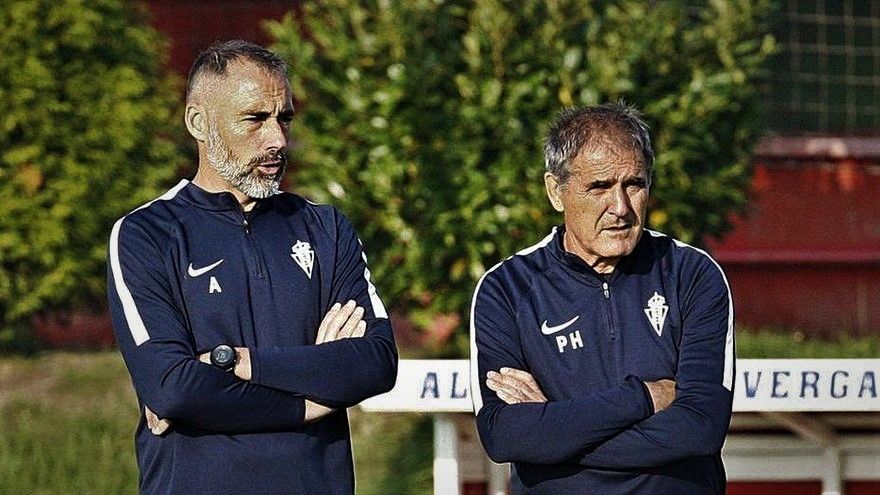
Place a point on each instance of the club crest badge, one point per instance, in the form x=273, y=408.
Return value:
x=656, y=312
x=304, y=256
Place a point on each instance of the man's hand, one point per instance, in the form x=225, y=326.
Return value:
x=514, y=386
x=157, y=426
x=342, y=322
x=315, y=411
x=662, y=393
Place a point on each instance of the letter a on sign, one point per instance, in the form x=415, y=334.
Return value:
x=430, y=385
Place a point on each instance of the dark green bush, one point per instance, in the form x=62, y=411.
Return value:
x=424, y=119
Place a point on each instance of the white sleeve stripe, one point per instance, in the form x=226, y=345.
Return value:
x=375, y=301
x=476, y=395
x=132, y=315
x=729, y=358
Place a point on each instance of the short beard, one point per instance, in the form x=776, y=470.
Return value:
x=244, y=176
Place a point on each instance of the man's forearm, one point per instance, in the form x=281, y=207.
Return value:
x=552, y=432
x=196, y=395
x=694, y=425
x=340, y=373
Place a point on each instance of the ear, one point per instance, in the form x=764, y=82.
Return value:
x=196, y=121
x=554, y=191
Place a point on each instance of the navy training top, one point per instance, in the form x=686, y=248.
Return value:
x=590, y=342
x=187, y=272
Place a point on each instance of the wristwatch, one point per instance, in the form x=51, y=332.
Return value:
x=223, y=356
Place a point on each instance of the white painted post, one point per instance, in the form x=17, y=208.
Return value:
x=499, y=474
x=446, y=479
x=831, y=479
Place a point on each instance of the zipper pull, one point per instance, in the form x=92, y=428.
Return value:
x=605, y=290
x=247, y=226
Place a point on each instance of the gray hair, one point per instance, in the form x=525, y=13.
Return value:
x=215, y=59
x=607, y=124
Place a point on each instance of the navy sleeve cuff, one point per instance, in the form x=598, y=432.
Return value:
x=255, y=365
x=648, y=401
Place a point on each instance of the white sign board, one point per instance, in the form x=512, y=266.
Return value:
x=807, y=385
x=761, y=385
x=429, y=385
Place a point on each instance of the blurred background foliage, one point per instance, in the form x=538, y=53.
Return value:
x=428, y=133
x=84, y=138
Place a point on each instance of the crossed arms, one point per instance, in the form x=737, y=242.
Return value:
x=284, y=390
x=631, y=425
x=340, y=322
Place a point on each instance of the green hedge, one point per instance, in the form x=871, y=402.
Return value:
x=424, y=121
x=84, y=138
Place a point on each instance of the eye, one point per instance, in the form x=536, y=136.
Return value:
x=636, y=184
x=599, y=186
x=256, y=117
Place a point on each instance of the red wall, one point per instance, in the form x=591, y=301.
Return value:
x=774, y=488
x=751, y=488
x=799, y=488
x=807, y=255
x=191, y=26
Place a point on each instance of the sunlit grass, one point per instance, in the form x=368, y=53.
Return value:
x=66, y=425
x=777, y=344
x=67, y=422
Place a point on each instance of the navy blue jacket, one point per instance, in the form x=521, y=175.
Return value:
x=189, y=271
x=591, y=342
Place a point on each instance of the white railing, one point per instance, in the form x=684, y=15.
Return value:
x=780, y=389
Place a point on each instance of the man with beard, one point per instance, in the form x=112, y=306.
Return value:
x=246, y=316
x=602, y=357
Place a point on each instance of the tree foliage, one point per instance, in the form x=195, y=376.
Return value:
x=424, y=120
x=82, y=141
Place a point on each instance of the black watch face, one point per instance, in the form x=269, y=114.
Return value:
x=223, y=356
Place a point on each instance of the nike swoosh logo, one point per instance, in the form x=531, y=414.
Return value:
x=548, y=330
x=201, y=271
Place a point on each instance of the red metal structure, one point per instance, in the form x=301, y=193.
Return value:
x=807, y=256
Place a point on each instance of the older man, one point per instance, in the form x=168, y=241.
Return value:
x=602, y=357
x=246, y=316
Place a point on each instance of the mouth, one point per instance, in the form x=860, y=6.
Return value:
x=270, y=168
x=623, y=230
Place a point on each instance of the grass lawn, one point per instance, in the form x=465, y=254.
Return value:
x=67, y=422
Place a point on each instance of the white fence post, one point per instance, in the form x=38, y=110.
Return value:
x=446, y=478
x=499, y=474
x=831, y=479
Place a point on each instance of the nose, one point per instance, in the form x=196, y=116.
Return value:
x=275, y=135
x=620, y=204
